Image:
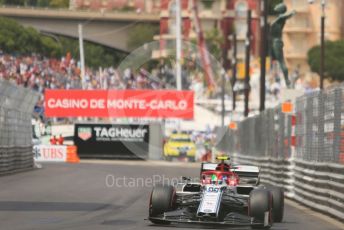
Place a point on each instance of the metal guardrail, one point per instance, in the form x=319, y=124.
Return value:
x=309, y=162
x=16, y=107
x=317, y=185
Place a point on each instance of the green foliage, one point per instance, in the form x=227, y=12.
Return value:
x=43, y=3
x=95, y=55
x=14, y=38
x=59, y=3
x=127, y=9
x=271, y=6
x=208, y=4
x=13, y=2
x=141, y=34
x=214, y=40
x=37, y=3
x=334, y=59
x=51, y=47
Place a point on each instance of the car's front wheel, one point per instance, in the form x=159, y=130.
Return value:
x=162, y=200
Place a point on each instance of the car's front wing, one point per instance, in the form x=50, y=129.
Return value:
x=231, y=220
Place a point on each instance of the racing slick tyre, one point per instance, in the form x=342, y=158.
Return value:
x=260, y=204
x=278, y=204
x=162, y=199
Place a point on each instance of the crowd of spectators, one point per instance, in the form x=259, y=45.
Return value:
x=40, y=73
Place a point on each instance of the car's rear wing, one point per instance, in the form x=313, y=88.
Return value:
x=248, y=174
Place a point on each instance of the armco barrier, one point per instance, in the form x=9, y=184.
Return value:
x=15, y=159
x=316, y=185
x=16, y=106
x=301, y=152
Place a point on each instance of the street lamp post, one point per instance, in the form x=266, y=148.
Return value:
x=234, y=66
x=82, y=56
x=322, y=41
x=263, y=54
x=322, y=44
x=178, y=45
x=247, y=63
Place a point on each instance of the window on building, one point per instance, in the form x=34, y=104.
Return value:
x=172, y=9
x=241, y=9
x=172, y=18
x=240, y=27
x=300, y=44
x=299, y=5
x=241, y=48
x=300, y=21
x=240, y=22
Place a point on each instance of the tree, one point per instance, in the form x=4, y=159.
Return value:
x=51, y=47
x=43, y=3
x=214, y=40
x=95, y=54
x=208, y=4
x=15, y=38
x=13, y=2
x=141, y=34
x=59, y=3
x=19, y=2
x=334, y=59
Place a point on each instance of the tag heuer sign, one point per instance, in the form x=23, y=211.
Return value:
x=84, y=133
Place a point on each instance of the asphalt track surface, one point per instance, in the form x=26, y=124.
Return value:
x=85, y=196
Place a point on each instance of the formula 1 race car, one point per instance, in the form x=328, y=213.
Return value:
x=224, y=195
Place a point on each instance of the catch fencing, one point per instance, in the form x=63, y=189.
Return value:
x=301, y=152
x=16, y=107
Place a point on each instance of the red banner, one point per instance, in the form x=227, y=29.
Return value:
x=119, y=103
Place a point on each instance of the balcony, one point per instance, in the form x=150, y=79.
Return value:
x=297, y=29
x=166, y=14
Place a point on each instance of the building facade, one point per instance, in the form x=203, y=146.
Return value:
x=225, y=15
x=303, y=30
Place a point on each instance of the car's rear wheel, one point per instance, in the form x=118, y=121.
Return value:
x=162, y=200
x=278, y=203
x=260, y=208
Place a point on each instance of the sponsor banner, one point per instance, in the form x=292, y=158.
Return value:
x=50, y=153
x=112, y=140
x=120, y=103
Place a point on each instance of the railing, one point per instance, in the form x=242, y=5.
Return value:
x=303, y=153
x=82, y=13
x=16, y=107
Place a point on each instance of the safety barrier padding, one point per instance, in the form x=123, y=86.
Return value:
x=316, y=185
